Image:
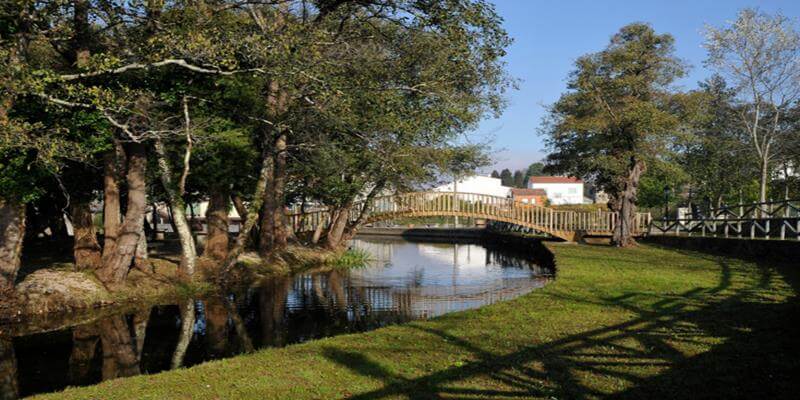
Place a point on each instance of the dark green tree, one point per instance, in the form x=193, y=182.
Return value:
x=616, y=117
x=506, y=178
x=519, y=179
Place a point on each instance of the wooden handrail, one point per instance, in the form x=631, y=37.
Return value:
x=568, y=225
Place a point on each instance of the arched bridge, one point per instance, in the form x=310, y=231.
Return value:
x=567, y=225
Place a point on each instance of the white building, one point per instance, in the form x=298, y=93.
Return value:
x=560, y=189
x=477, y=184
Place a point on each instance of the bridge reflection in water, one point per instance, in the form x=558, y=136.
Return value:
x=404, y=281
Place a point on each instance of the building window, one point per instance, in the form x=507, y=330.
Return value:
x=572, y=191
x=525, y=201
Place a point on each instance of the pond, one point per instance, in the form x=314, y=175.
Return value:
x=404, y=281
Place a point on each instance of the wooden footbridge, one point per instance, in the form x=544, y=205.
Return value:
x=566, y=225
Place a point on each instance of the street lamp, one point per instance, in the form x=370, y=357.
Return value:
x=666, y=201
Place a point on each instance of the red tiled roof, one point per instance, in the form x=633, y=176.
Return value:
x=555, y=179
x=528, y=192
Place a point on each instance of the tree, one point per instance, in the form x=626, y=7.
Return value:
x=759, y=54
x=714, y=153
x=535, y=169
x=506, y=178
x=615, y=117
x=495, y=174
x=519, y=179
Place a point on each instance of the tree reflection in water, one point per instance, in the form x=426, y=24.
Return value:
x=417, y=281
x=8, y=371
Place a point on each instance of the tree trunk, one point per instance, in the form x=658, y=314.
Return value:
x=266, y=228
x=625, y=206
x=111, y=203
x=333, y=239
x=140, y=258
x=86, y=249
x=188, y=250
x=115, y=268
x=12, y=232
x=280, y=233
x=252, y=215
x=238, y=204
x=764, y=181
x=217, y=222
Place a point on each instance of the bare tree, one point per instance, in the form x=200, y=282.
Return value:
x=760, y=55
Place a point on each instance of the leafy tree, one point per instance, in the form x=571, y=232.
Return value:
x=715, y=153
x=495, y=174
x=535, y=169
x=519, y=179
x=616, y=117
x=759, y=54
x=506, y=178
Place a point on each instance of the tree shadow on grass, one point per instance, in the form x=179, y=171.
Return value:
x=704, y=343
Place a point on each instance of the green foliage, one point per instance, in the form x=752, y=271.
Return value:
x=352, y=258
x=616, y=114
x=506, y=178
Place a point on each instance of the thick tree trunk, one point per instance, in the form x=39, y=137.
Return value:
x=9, y=388
x=115, y=268
x=86, y=249
x=12, y=233
x=188, y=249
x=267, y=225
x=625, y=205
x=141, y=258
x=333, y=239
x=112, y=212
x=352, y=226
x=217, y=222
x=280, y=233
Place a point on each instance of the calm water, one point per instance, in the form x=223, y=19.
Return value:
x=404, y=281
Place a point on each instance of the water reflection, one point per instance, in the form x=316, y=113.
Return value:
x=404, y=281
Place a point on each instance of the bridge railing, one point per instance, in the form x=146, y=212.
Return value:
x=764, y=220
x=475, y=205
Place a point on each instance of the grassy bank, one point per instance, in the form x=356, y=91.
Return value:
x=639, y=323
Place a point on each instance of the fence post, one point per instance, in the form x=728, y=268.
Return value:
x=769, y=217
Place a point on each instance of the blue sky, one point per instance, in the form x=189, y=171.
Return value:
x=550, y=35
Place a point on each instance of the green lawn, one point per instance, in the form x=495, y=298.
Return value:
x=640, y=323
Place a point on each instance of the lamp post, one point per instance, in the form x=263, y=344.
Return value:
x=666, y=202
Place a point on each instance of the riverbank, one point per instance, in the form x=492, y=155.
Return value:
x=647, y=322
x=52, y=297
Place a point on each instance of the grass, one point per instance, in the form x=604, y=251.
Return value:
x=638, y=323
x=352, y=258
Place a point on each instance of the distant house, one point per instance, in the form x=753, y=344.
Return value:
x=559, y=189
x=529, y=196
x=477, y=184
